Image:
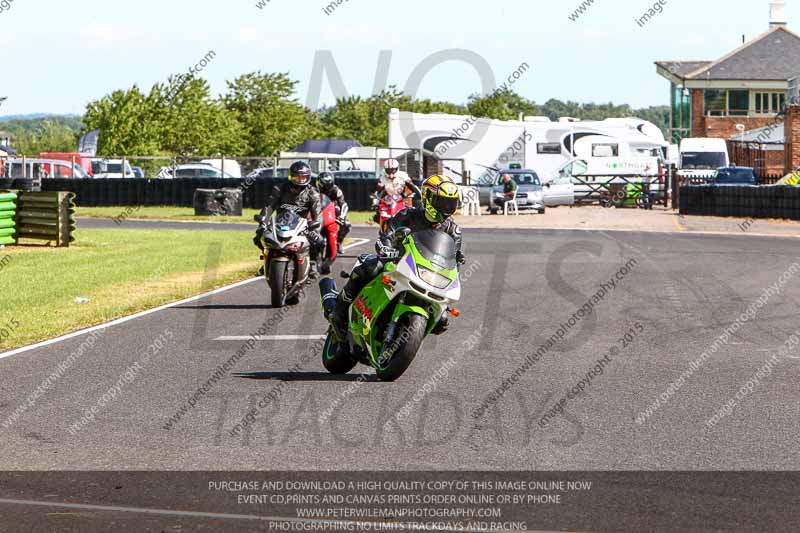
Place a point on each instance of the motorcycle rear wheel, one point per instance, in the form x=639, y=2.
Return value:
x=408, y=340
x=336, y=357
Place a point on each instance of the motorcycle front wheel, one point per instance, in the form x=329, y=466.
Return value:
x=279, y=282
x=335, y=357
x=397, y=356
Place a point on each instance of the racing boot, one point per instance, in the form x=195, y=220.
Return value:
x=441, y=326
x=340, y=315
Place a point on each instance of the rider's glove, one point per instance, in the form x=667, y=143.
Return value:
x=387, y=253
x=314, y=238
x=460, y=259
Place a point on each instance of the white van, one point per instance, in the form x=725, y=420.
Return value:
x=231, y=169
x=111, y=169
x=701, y=157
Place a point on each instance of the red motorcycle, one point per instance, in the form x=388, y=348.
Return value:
x=330, y=236
x=388, y=206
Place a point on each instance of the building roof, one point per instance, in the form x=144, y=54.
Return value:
x=772, y=56
x=682, y=68
x=325, y=146
x=771, y=134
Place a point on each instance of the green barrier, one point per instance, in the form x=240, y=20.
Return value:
x=8, y=213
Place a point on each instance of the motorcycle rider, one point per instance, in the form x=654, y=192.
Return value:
x=439, y=203
x=297, y=191
x=326, y=183
x=395, y=181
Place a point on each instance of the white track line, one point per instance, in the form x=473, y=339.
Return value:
x=199, y=514
x=684, y=233
x=269, y=338
x=17, y=351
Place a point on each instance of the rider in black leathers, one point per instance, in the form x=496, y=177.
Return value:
x=296, y=192
x=327, y=186
x=435, y=213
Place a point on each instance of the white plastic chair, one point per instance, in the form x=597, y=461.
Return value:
x=511, y=206
x=470, y=201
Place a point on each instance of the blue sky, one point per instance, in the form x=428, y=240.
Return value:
x=62, y=54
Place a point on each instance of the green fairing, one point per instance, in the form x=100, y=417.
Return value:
x=375, y=298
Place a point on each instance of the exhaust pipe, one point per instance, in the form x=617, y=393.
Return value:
x=327, y=290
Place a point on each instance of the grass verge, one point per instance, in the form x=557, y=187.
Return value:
x=119, y=271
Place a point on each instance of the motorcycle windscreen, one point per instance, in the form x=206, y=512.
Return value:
x=437, y=247
x=287, y=220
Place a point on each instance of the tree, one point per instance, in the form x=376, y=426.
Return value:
x=367, y=120
x=503, y=104
x=128, y=122
x=47, y=136
x=272, y=119
x=192, y=123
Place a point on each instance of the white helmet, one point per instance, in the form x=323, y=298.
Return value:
x=391, y=166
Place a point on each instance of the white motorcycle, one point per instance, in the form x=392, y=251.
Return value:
x=286, y=260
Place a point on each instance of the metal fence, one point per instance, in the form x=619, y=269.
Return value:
x=770, y=161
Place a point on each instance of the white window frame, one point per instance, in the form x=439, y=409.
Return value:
x=771, y=96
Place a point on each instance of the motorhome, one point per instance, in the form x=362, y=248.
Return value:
x=536, y=143
x=701, y=157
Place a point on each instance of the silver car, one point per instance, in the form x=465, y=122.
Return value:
x=530, y=194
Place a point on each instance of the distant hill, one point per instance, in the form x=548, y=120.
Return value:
x=34, y=122
x=36, y=116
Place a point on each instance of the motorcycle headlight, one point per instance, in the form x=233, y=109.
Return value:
x=432, y=278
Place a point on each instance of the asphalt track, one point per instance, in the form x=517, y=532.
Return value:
x=521, y=287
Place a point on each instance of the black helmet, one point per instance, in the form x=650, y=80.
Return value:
x=325, y=181
x=300, y=175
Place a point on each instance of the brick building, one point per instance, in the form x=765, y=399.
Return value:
x=748, y=86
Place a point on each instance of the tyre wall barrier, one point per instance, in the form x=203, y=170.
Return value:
x=747, y=202
x=218, y=202
x=180, y=192
x=8, y=215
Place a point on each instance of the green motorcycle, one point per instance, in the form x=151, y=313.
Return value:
x=393, y=314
